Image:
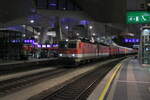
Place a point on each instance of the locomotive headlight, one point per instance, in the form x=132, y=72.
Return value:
x=73, y=55
x=60, y=55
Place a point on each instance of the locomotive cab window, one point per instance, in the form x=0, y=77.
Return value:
x=63, y=44
x=72, y=45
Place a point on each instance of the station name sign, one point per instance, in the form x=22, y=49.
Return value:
x=138, y=17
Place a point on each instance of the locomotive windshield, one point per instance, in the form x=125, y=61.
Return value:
x=63, y=44
x=70, y=44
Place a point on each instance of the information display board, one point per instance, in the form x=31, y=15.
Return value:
x=138, y=17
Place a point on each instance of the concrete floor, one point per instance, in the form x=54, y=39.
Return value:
x=38, y=88
x=131, y=83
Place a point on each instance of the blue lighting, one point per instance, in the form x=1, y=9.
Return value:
x=137, y=40
x=24, y=41
x=131, y=40
x=53, y=25
x=16, y=28
x=34, y=18
x=68, y=21
x=39, y=46
x=15, y=41
x=126, y=40
x=55, y=45
x=84, y=22
x=52, y=4
x=29, y=41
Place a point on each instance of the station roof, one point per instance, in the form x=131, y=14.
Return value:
x=10, y=10
x=108, y=11
x=105, y=10
x=112, y=11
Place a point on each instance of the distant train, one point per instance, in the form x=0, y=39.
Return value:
x=77, y=51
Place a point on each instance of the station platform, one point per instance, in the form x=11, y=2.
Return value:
x=127, y=81
x=26, y=63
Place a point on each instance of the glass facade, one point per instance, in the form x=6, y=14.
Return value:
x=56, y=5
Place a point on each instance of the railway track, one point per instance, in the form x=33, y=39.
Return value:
x=82, y=87
x=15, y=84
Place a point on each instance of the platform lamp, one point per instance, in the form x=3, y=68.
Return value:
x=77, y=35
x=90, y=28
x=67, y=28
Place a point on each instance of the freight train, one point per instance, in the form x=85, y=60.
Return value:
x=78, y=51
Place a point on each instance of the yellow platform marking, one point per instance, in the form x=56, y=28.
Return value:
x=108, y=83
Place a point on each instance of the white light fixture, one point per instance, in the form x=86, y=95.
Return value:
x=60, y=55
x=91, y=27
x=24, y=35
x=38, y=33
x=44, y=46
x=94, y=34
x=73, y=55
x=67, y=27
x=32, y=21
x=24, y=26
x=67, y=40
x=148, y=4
x=36, y=37
x=77, y=34
x=48, y=46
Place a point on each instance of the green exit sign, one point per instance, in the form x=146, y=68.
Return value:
x=138, y=17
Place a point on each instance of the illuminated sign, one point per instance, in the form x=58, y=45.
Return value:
x=29, y=41
x=24, y=41
x=138, y=17
x=131, y=40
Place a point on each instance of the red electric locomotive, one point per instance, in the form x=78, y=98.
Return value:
x=77, y=51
